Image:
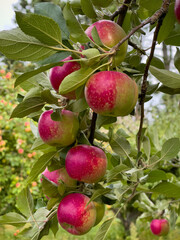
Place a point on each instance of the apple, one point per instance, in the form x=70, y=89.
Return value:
x=75, y=215
x=57, y=175
x=111, y=93
x=100, y=210
x=110, y=34
x=58, y=73
x=86, y=163
x=177, y=10
x=58, y=133
x=159, y=227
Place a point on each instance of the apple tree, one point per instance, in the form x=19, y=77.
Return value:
x=92, y=71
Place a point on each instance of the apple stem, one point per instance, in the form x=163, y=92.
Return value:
x=93, y=127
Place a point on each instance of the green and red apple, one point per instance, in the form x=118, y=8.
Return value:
x=58, y=133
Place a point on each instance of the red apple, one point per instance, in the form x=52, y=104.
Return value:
x=86, y=163
x=177, y=10
x=75, y=215
x=58, y=73
x=159, y=227
x=110, y=34
x=111, y=93
x=57, y=175
x=58, y=133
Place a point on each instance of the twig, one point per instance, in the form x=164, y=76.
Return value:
x=93, y=127
x=144, y=83
x=136, y=47
x=121, y=12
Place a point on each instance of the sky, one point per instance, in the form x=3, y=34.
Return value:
x=7, y=14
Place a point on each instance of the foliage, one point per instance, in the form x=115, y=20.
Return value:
x=16, y=139
x=141, y=182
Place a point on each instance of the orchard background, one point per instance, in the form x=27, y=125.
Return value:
x=142, y=181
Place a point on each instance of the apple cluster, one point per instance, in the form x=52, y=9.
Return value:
x=108, y=93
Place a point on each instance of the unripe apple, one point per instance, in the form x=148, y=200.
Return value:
x=75, y=215
x=100, y=210
x=58, y=133
x=57, y=175
x=159, y=227
x=58, y=73
x=111, y=93
x=86, y=163
x=177, y=10
x=110, y=34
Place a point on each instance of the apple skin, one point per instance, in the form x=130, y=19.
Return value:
x=57, y=175
x=100, y=210
x=74, y=215
x=58, y=73
x=159, y=227
x=86, y=163
x=110, y=34
x=111, y=93
x=177, y=10
x=58, y=133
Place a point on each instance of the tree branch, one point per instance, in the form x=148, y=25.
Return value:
x=93, y=127
x=144, y=83
x=157, y=15
x=121, y=12
x=136, y=47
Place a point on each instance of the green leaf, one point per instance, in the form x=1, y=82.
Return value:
x=76, y=31
x=96, y=37
x=156, y=62
x=102, y=3
x=13, y=219
x=25, y=202
x=104, y=120
x=28, y=106
x=168, y=24
x=173, y=38
x=170, y=91
x=156, y=175
x=120, y=145
x=115, y=171
x=101, y=136
x=79, y=105
x=103, y=230
x=75, y=80
x=53, y=11
x=99, y=192
x=57, y=57
x=40, y=145
x=91, y=52
x=38, y=221
x=54, y=225
x=48, y=97
x=27, y=75
x=39, y=166
x=152, y=5
x=18, y=46
x=168, y=189
x=169, y=79
x=170, y=149
x=177, y=59
x=45, y=29
x=49, y=188
x=147, y=146
x=88, y=8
